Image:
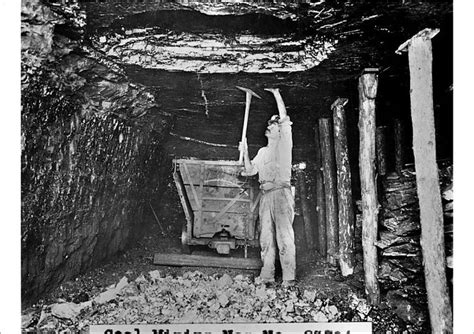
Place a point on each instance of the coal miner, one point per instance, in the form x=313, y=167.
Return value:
x=273, y=165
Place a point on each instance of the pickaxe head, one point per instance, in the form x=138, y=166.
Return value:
x=248, y=91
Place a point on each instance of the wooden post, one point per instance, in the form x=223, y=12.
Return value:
x=424, y=147
x=398, y=134
x=320, y=202
x=381, y=150
x=308, y=229
x=344, y=189
x=208, y=261
x=329, y=176
x=367, y=91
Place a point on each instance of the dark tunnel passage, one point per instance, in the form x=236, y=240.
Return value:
x=135, y=85
x=193, y=21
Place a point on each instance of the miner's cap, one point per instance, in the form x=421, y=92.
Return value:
x=274, y=119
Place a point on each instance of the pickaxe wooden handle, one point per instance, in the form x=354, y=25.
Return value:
x=248, y=99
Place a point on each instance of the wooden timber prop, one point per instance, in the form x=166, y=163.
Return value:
x=398, y=137
x=367, y=92
x=191, y=260
x=380, y=146
x=305, y=208
x=320, y=197
x=346, y=215
x=420, y=60
x=330, y=189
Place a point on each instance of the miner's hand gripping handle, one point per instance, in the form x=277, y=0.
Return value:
x=248, y=99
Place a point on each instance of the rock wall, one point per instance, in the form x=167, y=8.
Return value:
x=91, y=150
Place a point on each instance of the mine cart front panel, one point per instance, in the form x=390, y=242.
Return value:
x=219, y=201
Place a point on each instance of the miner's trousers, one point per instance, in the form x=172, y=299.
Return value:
x=276, y=222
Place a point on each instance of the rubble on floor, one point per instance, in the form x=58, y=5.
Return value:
x=195, y=297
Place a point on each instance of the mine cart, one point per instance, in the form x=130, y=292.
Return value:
x=220, y=205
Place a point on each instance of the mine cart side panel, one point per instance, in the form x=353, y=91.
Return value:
x=188, y=212
x=219, y=198
x=215, y=199
x=216, y=175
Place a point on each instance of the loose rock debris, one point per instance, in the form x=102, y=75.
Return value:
x=195, y=298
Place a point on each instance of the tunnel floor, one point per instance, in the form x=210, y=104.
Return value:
x=314, y=278
x=312, y=273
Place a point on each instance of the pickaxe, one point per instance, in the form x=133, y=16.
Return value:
x=248, y=95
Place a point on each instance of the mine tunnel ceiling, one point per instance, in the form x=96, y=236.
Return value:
x=192, y=56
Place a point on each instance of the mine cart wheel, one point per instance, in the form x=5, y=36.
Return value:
x=185, y=248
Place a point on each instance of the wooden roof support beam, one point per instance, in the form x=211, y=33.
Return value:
x=426, y=35
x=330, y=189
x=320, y=196
x=420, y=60
x=344, y=189
x=185, y=260
x=368, y=83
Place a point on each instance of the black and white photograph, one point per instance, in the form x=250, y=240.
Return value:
x=230, y=166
